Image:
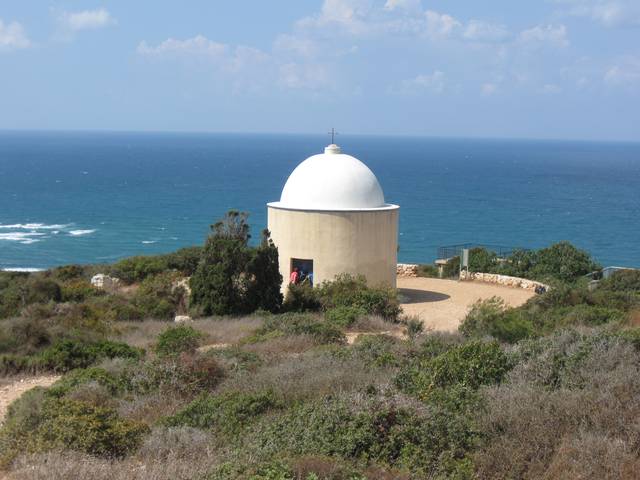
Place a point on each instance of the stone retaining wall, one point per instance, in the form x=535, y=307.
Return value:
x=407, y=270
x=505, y=280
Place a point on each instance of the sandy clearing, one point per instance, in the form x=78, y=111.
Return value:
x=442, y=304
x=12, y=391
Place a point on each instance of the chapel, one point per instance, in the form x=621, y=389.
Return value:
x=332, y=218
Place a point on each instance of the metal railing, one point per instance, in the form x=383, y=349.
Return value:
x=450, y=251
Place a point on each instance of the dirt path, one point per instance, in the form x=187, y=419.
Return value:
x=11, y=391
x=443, y=304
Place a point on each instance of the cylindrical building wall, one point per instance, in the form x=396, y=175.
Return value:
x=363, y=242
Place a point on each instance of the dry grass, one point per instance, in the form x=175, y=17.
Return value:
x=167, y=454
x=277, y=348
x=585, y=428
x=217, y=330
x=151, y=408
x=310, y=375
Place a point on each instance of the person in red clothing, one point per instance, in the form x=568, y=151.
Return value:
x=294, y=276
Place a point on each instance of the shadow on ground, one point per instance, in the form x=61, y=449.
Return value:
x=412, y=295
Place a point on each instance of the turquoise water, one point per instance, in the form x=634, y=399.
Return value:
x=97, y=197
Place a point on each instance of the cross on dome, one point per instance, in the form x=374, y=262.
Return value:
x=333, y=133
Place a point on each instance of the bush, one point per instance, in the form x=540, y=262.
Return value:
x=469, y=365
x=157, y=297
x=622, y=281
x=368, y=430
x=562, y=261
x=349, y=291
x=136, y=269
x=93, y=374
x=492, y=317
x=68, y=272
x=302, y=298
x=233, y=278
x=226, y=413
x=298, y=324
x=36, y=423
x=429, y=271
x=66, y=355
x=482, y=260
x=184, y=260
x=95, y=430
x=344, y=316
x=42, y=290
x=78, y=290
x=176, y=340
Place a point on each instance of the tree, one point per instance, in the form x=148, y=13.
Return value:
x=232, y=277
x=263, y=277
x=563, y=261
x=216, y=285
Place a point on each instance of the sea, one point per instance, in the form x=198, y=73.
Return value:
x=86, y=197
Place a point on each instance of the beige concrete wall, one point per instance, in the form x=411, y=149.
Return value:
x=357, y=242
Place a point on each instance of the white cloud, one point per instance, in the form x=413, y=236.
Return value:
x=625, y=73
x=12, y=37
x=86, y=20
x=297, y=45
x=485, y=32
x=198, y=45
x=403, y=5
x=303, y=76
x=540, y=35
x=350, y=15
x=488, y=89
x=441, y=24
x=609, y=13
x=551, y=89
x=433, y=82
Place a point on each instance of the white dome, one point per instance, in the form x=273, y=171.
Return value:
x=332, y=181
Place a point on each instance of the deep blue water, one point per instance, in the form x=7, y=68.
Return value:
x=96, y=197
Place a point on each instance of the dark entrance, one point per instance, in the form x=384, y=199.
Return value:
x=305, y=270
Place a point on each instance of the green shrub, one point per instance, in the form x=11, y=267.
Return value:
x=469, y=365
x=298, y=324
x=37, y=423
x=493, y=317
x=176, y=340
x=369, y=431
x=93, y=374
x=349, y=291
x=263, y=279
x=377, y=350
x=451, y=269
x=232, y=277
x=11, y=364
x=78, y=426
x=482, y=260
x=42, y=290
x=428, y=271
x=78, y=290
x=622, y=281
x=157, y=298
x=184, y=260
x=68, y=272
x=562, y=261
x=66, y=355
x=344, y=316
x=226, y=413
x=415, y=327
x=136, y=269
x=302, y=298
x=591, y=315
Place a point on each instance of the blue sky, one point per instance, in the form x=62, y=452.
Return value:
x=496, y=68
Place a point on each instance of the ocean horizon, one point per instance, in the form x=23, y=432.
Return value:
x=96, y=197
